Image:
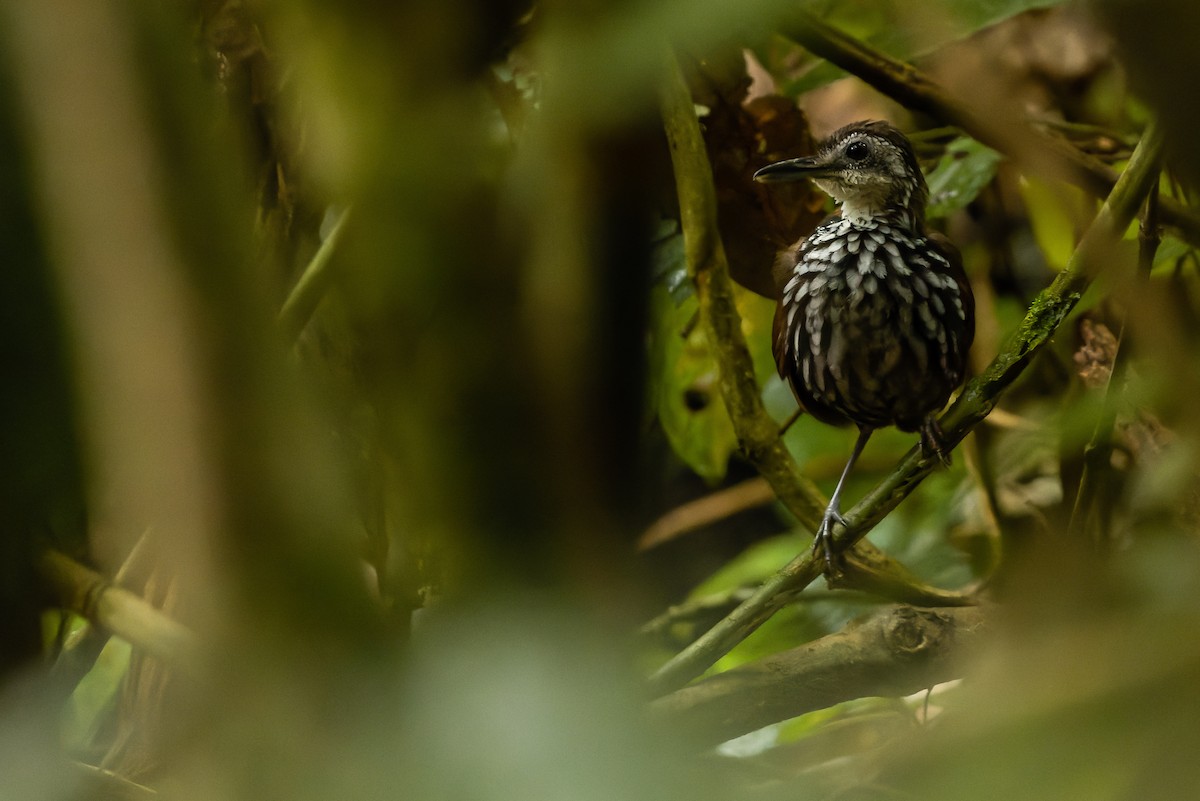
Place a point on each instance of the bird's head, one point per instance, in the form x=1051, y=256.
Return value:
x=868, y=167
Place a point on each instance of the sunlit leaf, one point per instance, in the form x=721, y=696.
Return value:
x=752, y=565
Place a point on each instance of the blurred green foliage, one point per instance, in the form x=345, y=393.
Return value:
x=401, y=519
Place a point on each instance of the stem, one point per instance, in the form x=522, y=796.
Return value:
x=310, y=288
x=1097, y=454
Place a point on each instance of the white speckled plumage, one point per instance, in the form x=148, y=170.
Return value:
x=877, y=316
x=868, y=292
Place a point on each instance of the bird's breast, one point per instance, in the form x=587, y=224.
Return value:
x=873, y=324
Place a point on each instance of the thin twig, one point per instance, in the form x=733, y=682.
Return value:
x=691, y=612
x=1046, y=313
x=99, y=783
x=310, y=288
x=82, y=648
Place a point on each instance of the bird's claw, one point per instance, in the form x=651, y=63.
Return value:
x=823, y=542
x=933, y=442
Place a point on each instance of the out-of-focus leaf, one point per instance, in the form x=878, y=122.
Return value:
x=683, y=387
x=752, y=565
x=964, y=170
x=1056, y=215
x=667, y=263
x=94, y=695
x=1169, y=252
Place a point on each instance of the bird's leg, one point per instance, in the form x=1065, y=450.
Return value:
x=788, y=423
x=833, y=512
x=933, y=441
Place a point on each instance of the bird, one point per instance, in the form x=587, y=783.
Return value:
x=877, y=316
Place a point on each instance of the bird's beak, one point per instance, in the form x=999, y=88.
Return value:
x=794, y=170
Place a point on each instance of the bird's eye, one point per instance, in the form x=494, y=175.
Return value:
x=857, y=151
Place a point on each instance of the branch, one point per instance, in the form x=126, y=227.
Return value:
x=694, y=613
x=119, y=611
x=894, y=652
x=758, y=435
x=978, y=398
x=1032, y=147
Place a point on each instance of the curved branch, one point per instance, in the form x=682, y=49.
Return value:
x=894, y=652
x=758, y=435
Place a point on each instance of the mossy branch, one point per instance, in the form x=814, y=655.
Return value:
x=707, y=265
x=758, y=434
x=894, y=652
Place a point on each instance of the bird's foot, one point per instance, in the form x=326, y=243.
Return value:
x=823, y=542
x=933, y=441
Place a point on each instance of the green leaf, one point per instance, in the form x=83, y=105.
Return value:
x=1057, y=214
x=94, y=695
x=684, y=390
x=1169, y=253
x=684, y=394
x=753, y=564
x=964, y=170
